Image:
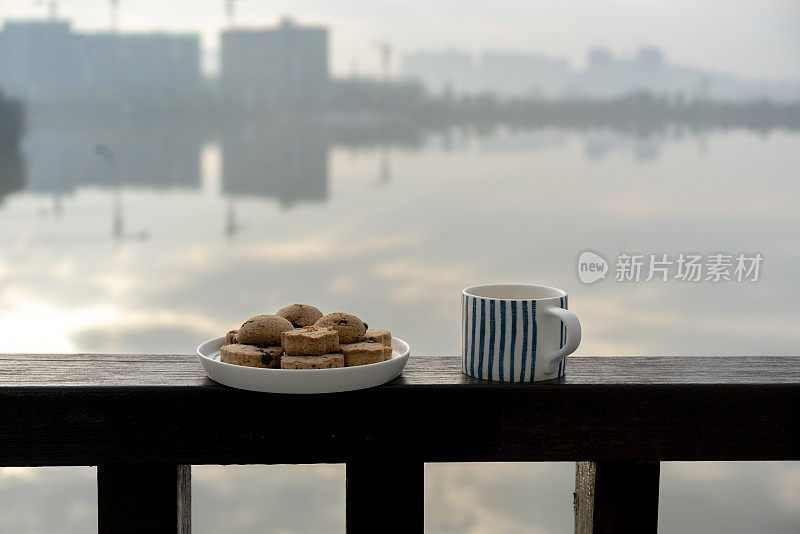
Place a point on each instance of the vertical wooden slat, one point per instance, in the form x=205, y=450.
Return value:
x=144, y=498
x=583, y=498
x=384, y=496
x=616, y=497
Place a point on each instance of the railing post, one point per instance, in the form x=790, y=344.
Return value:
x=136, y=498
x=616, y=497
x=384, y=495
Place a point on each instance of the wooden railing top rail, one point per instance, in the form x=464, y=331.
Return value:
x=141, y=370
x=92, y=409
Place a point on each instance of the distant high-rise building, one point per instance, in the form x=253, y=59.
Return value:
x=449, y=70
x=511, y=74
x=501, y=73
x=650, y=58
x=47, y=61
x=155, y=63
x=35, y=58
x=282, y=66
x=600, y=58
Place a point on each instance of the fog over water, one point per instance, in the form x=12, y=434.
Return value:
x=128, y=258
x=157, y=254
x=167, y=171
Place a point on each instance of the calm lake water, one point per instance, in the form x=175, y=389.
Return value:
x=182, y=237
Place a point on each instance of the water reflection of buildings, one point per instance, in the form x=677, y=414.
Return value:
x=644, y=148
x=112, y=156
x=269, y=157
x=277, y=159
x=287, y=159
x=147, y=154
x=286, y=162
x=273, y=158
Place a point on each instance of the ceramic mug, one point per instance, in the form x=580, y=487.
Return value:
x=516, y=332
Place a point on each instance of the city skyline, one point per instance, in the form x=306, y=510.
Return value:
x=751, y=41
x=289, y=65
x=606, y=75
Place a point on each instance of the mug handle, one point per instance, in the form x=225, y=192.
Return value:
x=573, y=327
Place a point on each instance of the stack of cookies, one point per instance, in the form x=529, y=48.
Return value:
x=300, y=337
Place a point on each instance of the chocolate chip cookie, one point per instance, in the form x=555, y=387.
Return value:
x=349, y=327
x=364, y=352
x=324, y=361
x=310, y=340
x=251, y=356
x=300, y=315
x=263, y=330
x=375, y=335
x=230, y=337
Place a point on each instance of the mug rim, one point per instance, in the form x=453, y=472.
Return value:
x=469, y=291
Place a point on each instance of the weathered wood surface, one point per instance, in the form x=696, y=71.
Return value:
x=134, y=498
x=616, y=496
x=19, y=370
x=95, y=409
x=583, y=498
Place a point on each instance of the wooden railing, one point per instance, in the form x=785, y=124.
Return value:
x=144, y=420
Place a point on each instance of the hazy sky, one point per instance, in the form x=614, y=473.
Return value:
x=755, y=38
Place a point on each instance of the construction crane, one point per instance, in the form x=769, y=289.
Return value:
x=114, y=15
x=385, y=51
x=52, y=8
x=230, y=10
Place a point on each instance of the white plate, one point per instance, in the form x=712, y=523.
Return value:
x=301, y=380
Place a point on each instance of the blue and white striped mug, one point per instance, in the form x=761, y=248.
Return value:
x=516, y=332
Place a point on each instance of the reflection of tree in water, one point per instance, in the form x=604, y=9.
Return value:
x=12, y=173
x=12, y=122
x=12, y=165
x=632, y=114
